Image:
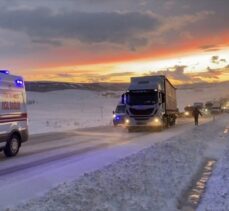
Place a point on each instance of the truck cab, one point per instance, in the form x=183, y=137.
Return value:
x=150, y=103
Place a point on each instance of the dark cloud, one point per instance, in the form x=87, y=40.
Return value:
x=206, y=47
x=47, y=42
x=65, y=75
x=98, y=21
x=93, y=77
x=212, y=73
x=110, y=25
x=177, y=73
x=217, y=60
x=210, y=48
x=120, y=74
x=213, y=50
x=223, y=60
x=44, y=25
x=111, y=76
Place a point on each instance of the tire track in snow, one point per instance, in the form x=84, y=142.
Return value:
x=50, y=159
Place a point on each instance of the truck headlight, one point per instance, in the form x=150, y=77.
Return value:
x=127, y=121
x=156, y=120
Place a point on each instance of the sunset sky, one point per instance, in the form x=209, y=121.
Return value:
x=113, y=40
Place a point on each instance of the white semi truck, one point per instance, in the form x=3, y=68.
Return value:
x=150, y=103
x=13, y=114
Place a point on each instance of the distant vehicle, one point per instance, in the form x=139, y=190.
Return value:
x=216, y=108
x=188, y=111
x=119, y=114
x=199, y=105
x=13, y=114
x=225, y=107
x=206, y=112
x=150, y=103
x=209, y=105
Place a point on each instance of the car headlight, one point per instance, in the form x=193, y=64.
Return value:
x=114, y=115
x=186, y=113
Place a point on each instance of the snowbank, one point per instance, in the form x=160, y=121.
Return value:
x=152, y=179
x=216, y=197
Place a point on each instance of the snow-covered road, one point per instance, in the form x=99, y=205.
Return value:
x=53, y=158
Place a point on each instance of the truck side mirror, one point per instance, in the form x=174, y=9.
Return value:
x=163, y=98
x=122, y=100
x=113, y=112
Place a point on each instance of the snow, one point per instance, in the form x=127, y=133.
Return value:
x=42, y=178
x=201, y=94
x=153, y=171
x=217, y=195
x=68, y=109
x=151, y=179
x=72, y=109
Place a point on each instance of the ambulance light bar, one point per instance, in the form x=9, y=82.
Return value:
x=7, y=72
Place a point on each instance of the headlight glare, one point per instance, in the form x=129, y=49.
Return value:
x=186, y=113
x=156, y=120
x=127, y=121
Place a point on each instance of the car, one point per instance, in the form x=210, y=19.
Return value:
x=216, y=108
x=188, y=111
x=119, y=115
x=225, y=107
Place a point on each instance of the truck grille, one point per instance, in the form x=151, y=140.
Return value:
x=141, y=112
x=141, y=118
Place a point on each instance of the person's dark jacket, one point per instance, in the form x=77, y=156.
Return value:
x=196, y=112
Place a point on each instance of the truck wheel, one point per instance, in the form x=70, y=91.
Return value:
x=115, y=124
x=158, y=129
x=130, y=129
x=165, y=123
x=12, y=147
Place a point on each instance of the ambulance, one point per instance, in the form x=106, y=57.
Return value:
x=13, y=113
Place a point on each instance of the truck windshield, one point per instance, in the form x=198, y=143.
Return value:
x=142, y=98
x=120, y=109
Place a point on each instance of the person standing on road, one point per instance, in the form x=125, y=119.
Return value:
x=196, y=113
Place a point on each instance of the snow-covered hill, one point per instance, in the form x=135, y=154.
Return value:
x=68, y=109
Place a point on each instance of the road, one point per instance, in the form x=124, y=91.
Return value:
x=53, y=158
x=52, y=147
